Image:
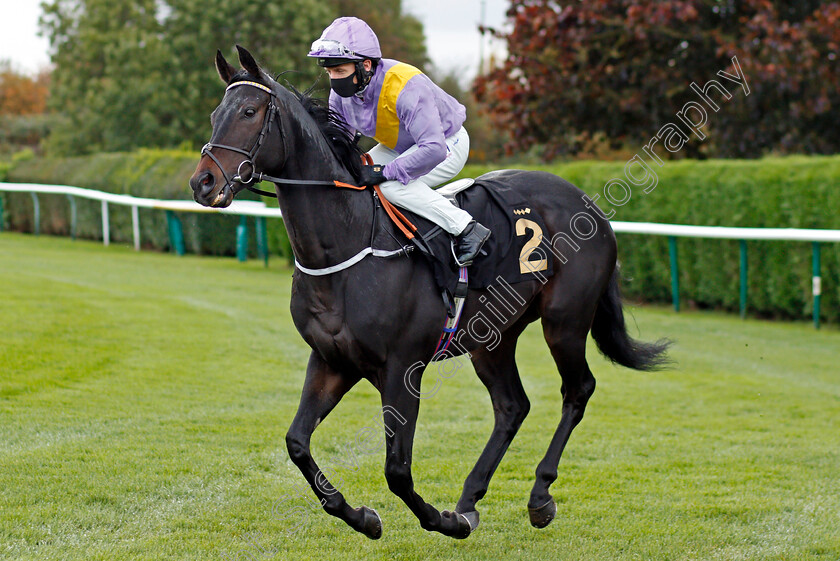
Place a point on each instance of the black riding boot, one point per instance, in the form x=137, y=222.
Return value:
x=469, y=242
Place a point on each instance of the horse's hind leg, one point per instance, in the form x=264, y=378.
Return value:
x=568, y=347
x=497, y=370
x=322, y=390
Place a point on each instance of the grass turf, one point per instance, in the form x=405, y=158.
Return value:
x=144, y=400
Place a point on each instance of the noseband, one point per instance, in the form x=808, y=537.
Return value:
x=396, y=216
x=251, y=154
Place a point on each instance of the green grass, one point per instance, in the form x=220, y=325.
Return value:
x=144, y=400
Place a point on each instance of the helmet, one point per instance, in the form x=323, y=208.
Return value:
x=346, y=40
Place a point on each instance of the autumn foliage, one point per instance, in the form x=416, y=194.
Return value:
x=614, y=71
x=21, y=94
x=24, y=121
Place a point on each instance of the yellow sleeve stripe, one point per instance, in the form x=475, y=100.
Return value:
x=387, y=121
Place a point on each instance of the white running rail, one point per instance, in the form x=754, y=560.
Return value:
x=241, y=208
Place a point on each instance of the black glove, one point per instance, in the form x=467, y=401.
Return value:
x=372, y=175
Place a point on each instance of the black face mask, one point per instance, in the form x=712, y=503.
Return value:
x=344, y=86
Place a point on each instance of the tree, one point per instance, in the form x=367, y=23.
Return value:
x=21, y=94
x=400, y=35
x=23, y=104
x=791, y=51
x=139, y=73
x=623, y=68
x=110, y=60
x=278, y=34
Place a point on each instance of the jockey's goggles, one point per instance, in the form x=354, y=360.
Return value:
x=329, y=48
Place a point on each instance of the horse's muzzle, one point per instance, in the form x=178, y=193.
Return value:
x=206, y=192
x=203, y=184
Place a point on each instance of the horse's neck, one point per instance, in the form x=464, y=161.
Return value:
x=326, y=225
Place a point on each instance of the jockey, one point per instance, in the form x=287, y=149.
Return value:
x=419, y=127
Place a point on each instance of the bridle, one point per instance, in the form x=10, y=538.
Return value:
x=399, y=219
x=250, y=155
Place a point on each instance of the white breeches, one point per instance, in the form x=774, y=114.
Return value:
x=418, y=195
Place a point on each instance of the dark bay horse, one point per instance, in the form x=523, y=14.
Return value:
x=379, y=318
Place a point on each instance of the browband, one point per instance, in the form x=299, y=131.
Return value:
x=247, y=83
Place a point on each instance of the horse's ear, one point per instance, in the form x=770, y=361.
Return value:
x=225, y=70
x=247, y=61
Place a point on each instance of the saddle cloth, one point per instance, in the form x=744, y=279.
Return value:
x=512, y=253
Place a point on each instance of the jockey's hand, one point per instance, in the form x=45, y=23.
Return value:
x=372, y=175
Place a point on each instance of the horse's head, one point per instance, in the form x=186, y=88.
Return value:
x=240, y=141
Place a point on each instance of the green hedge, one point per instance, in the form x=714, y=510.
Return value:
x=158, y=174
x=790, y=192
x=799, y=192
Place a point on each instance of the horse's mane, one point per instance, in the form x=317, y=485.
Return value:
x=337, y=132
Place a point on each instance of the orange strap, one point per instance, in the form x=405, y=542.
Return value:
x=396, y=216
x=403, y=223
x=348, y=186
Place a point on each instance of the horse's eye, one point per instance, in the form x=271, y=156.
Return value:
x=250, y=112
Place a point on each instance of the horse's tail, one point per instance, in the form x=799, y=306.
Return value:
x=610, y=334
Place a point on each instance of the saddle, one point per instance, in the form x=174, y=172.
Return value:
x=516, y=251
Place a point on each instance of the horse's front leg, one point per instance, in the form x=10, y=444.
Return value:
x=400, y=408
x=322, y=390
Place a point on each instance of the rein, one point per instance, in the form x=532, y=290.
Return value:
x=405, y=225
x=396, y=216
x=254, y=176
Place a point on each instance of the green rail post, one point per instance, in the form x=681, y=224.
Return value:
x=675, y=273
x=262, y=239
x=2, y=216
x=37, y=227
x=816, y=283
x=242, y=239
x=176, y=233
x=73, y=217
x=743, y=299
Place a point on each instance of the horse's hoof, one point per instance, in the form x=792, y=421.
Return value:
x=542, y=515
x=472, y=518
x=464, y=526
x=371, y=523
